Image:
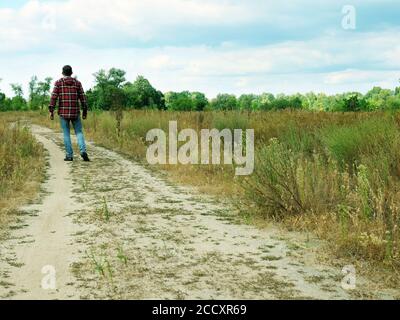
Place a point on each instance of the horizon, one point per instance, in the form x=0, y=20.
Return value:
x=213, y=47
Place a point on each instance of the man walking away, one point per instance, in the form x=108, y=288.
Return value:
x=68, y=91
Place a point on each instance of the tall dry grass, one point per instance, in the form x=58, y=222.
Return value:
x=21, y=166
x=336, y=174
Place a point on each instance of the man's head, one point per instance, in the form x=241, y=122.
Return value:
x=67, y=71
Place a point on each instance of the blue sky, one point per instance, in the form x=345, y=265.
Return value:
x=211, y=46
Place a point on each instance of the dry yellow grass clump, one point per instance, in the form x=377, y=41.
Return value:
x=22, y=164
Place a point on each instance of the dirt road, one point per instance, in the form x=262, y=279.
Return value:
x=113, y=229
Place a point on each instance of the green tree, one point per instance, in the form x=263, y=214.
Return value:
x=397, y=90
x=2, y=100
x=393, y=102
x=44, y=92
x=284, y=102
x=178, y=101
x=224, y=102
x=39, y=93
x=106, y=85
x=263, y=102
x=113, y=77
x=200, y=101
x=141, y=94
x=336, y=103
x=185, y=101
x=377, y=98
x=109, y=93
x=245, y=101
x=34, y=99
x=354, y=101
x=18, y=102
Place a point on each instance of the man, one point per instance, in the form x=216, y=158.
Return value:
x=68, y=91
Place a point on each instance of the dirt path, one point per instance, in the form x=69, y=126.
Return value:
x=113, y=229
x=42, y=237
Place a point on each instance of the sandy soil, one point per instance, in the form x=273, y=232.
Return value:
x=113, y=229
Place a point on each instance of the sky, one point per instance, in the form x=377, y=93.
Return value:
x=219, y=46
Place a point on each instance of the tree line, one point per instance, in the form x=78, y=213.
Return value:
x=112, y=91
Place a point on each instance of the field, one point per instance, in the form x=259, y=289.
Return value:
x=335, y=174
x=189, y=150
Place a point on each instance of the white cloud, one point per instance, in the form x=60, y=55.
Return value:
x=325, y=64
x=135, y=19
x=42, y=36
x=351, y=77
x=162, y=62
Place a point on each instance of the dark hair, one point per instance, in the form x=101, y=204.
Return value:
x=67, y=71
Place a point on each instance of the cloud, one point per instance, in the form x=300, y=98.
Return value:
x=351, y=77
x=370, y=51
x=212, y=46
x=40, y=23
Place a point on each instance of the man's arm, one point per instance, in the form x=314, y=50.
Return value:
x=53, y=101
x=83, y=100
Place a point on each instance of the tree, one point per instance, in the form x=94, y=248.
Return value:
x=263, y=102
x=185, y=101
x=106, y=82
x=335, y=103
x=141, y=94
x=245, y=101
x=44, y=88
x=33, y=96
x=224, y=102
x=393, y=102
x=18, y=102
x=39, y=93
x=354, y=101
x=377, y=98
x=179, y=101
x=295, y=102
x=200, y=101
x=3, y=102
x=108, y=93
x=17, y=89
x=114, y=77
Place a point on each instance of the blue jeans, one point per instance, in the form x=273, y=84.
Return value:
x=77, y=124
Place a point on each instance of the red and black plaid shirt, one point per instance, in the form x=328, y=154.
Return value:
x=68, y=91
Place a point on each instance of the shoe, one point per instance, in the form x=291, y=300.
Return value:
x=69, y=159
x=85, y=157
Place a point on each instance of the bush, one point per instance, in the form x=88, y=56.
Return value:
x=288, y=183
x=374, y=143
x=21, y=157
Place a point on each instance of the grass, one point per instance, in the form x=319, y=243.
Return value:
x=105, y=212
x=22, y=164
x=335, y=174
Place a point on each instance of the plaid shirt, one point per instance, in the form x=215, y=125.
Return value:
x=68, y=91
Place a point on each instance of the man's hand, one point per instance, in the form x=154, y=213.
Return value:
x=84, y=115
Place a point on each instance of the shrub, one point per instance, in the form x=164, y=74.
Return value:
x=21, y=159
